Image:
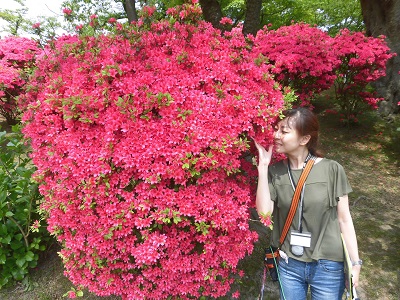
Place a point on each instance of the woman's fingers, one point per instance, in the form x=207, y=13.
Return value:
x=264, y=156
x=270, y=148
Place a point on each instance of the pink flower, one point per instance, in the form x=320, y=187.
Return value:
x=266, y=219
x=226, y=21
x=67, y=11
x=112, y=20
x=149, y=10
x=171, y=11
x=71, y=294
x=36, y=224
x=236, y=295
x=36, y=26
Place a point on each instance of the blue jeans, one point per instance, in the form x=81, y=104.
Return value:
x=324, y=277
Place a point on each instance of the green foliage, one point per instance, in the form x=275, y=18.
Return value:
x=45, y=28
x=82, y=10
x=337, y=15
x=14, y=20
x=21, y=237
x=17, y=23
x=329, y=15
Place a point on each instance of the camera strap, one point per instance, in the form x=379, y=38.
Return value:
x=298, y=190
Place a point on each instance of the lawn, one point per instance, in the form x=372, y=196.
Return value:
x=370, y=153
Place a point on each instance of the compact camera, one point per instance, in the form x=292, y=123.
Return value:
x=298, y=241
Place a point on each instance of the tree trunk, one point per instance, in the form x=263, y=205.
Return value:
x=130, y=9
x=382, y=17
x=212, y=12
x=252, y=22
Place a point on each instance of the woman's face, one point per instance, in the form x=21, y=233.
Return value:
x=287, y=139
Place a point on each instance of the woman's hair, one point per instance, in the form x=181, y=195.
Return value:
x=305, y=122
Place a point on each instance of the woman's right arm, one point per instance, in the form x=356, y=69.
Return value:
x=264, y=203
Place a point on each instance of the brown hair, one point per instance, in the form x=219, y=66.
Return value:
x=305, y=122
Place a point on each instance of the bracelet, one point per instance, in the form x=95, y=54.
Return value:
x=357, y=263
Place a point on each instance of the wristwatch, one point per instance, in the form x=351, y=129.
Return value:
x=357, y=263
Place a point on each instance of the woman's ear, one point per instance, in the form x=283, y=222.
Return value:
x=305, y=139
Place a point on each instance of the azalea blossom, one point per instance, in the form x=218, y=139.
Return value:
x=226, y=21
x=112, y=20
x=67, y=11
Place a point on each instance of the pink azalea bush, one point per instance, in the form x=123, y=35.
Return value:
x=17, y=57
x=302, y=57
x=310, y=61
x=139, y=139
x=363, y=60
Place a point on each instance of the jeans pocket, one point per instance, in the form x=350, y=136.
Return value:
x=331, y=266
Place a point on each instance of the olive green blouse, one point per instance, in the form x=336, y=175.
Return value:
x=326, y=182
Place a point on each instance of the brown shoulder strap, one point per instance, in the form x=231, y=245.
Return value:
x=295, y=200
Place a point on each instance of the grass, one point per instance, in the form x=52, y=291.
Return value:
x=370, y=155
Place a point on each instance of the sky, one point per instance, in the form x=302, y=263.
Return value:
x=36, y=8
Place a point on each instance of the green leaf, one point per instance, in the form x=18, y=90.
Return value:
x=3, y=196
x=16, y=244
x=20, y=262
x=3, y=229
x=19, y=274
x=29, y=256
x=6, y=240
x=3, y=259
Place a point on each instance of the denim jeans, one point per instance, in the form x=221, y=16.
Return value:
x=324, y=277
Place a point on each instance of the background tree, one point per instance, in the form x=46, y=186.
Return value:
x=15, y=19
x=212, y=12
x=254, y=14
x=331, y=16
x=336, y=15
x=17, y=23
x=382, y=18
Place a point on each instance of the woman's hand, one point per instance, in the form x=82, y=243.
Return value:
x=356, y=274
x=264, y=203
x=264, y=156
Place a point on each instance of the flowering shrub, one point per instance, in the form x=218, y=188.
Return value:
x=17, y=57
x=363, y=60
x=266, y=220
x=302, y=57
x=138, y=139
x=310, y=61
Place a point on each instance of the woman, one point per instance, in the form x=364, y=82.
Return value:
x=316, y=260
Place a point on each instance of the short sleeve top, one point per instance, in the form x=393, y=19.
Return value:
x=326, y=182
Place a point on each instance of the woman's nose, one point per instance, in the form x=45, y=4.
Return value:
x=277, y=134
